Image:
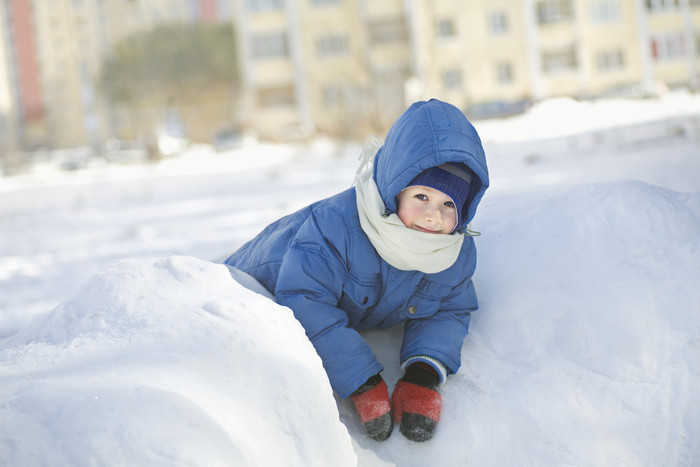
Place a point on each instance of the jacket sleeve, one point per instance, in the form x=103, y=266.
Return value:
x=310, y=282
x=440, y=336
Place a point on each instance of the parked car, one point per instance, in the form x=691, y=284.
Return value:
x=73, y=158
x=125, y=152
x=635, y=91
x=232, y=138
x=496, y=109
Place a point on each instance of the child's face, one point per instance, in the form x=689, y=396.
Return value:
x=427, y=210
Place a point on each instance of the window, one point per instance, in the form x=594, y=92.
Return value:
x=659, y=5
x=332, y=46
x=498, y=23
x=387, y=31
x=605, y=11
x=668, y=47
x=559, y=61
x=610, y=60
x=452, y=79
x=554, y=11
x=504, y=73
x=269, y=45
x=262, y=5
x=276, y=97
x=446, y=28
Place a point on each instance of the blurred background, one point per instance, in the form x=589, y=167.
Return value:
x=140, y=80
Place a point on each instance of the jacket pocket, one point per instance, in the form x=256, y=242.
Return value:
x=426, y=300
x=360, y=294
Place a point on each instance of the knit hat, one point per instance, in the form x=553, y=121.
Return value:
x=452, y=179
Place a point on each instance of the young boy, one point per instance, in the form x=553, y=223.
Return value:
x=393, y=249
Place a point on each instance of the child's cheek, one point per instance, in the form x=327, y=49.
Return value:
x=404, y=215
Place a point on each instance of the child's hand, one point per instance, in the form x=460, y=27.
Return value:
x=371, y=402
x=417, y=403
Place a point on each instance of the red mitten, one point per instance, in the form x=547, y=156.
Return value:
x=417, y=403
x=371, y=402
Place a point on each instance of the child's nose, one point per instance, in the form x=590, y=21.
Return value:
x=434, y=215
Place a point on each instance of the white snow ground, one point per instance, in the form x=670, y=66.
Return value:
x=122, y=343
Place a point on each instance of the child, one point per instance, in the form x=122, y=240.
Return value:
x=393, y=249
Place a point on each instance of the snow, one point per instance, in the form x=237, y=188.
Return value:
x=122, y=342
x=156, y=361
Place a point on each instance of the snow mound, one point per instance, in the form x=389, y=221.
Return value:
x=586, y=350
x=586, y=346
x=565, y=116
x=167, y=361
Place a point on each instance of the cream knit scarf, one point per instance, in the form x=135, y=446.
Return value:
x=401, y=247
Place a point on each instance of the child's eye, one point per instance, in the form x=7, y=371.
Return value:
x=421, y=196
x=450, y=204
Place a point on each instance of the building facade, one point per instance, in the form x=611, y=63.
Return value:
x=331, y=66
x=346, y=68
x=22, y=104
x=51, y=54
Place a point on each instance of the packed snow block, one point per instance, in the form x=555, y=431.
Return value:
x=167, y=361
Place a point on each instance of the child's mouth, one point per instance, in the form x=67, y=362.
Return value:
x=423, y=229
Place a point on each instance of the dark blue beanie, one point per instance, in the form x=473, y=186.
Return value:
x=452, y=179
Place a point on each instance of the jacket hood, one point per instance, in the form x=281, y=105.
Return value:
x=427, y=134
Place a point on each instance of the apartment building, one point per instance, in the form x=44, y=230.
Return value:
x=356, y=68
x=9, y=138
x=52, y=53
x=73, y=37
x=673, y=38
x=467, y=52
x=333, y=66
x=21, y=98
x=345, y=66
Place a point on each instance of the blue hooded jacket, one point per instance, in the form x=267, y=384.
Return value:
x=319, y=262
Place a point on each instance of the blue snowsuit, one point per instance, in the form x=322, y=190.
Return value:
x=319, y=262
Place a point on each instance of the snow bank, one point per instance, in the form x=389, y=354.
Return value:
x=565, y=116
x=167, y=361
x=585, y=352
x=586, y=347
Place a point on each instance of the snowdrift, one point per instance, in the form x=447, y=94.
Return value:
x=585, y=351
x=586, y=347
x=167, y=362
